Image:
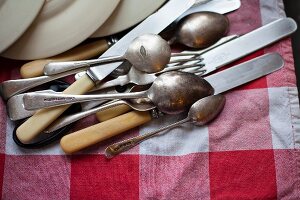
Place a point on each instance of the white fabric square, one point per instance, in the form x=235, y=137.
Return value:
x=13, y=149
x=183, y=140
x=281, y=117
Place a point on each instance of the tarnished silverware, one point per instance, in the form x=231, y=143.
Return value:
x=200, y=113
x=169, y=92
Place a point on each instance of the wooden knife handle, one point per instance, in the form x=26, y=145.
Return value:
x=112, y=112
x=94, y=134
x=82, y=52
x=44, y=117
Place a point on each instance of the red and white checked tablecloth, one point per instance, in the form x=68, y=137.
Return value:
x=251, y=151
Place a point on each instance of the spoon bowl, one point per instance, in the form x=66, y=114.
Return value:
x=149, y=53
x=174, y=92
x=200, y=30
x=206, y=109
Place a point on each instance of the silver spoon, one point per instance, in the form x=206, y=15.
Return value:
x=200, y=113
x=200, y=30
x=148, y=53
x=171, y=92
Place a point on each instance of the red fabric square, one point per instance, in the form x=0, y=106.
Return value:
x=284, y=77
x=243, y=124
x=2, y=126
x=287, y=173
x=174, y=177
x=242, y=175
x=246, y=18
x=2, y=161
x=36, y=177
x=95, y=177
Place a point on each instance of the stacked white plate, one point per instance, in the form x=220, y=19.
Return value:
x=36, y=29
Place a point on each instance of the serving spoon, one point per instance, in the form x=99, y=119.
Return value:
x=200, y=113
x=171, y=92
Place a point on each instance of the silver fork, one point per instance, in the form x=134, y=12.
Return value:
x=137, y=77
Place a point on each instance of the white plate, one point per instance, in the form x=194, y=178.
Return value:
x=127, y=14
x=61, y=25
x=15, y=17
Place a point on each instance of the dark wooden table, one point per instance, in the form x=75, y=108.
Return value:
x=292, y=9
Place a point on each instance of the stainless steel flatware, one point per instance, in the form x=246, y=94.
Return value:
x=221, y=81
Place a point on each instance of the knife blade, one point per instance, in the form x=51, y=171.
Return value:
x=245, y=72
x=153, y=24
x=222, y=81
x=248, y=43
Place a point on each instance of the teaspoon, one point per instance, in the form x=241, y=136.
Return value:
x=200, y=113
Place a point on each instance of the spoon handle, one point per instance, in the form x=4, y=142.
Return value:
x=33, y=100
x=86, y=51
x=117, y=148
x=60, y=67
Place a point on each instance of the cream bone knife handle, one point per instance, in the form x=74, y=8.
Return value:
x=86, y=51
x=44, y=117
x=112, y=112
x=12, y=87
x=92, y=135
x=34, y=100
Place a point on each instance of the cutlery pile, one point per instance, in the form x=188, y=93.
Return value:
x=157, y=82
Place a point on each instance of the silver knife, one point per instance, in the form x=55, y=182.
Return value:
x=221, y=81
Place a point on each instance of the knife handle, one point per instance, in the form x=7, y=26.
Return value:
x=84, y=138
x=112, y=112
x=82, y=52
x=44, y=117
